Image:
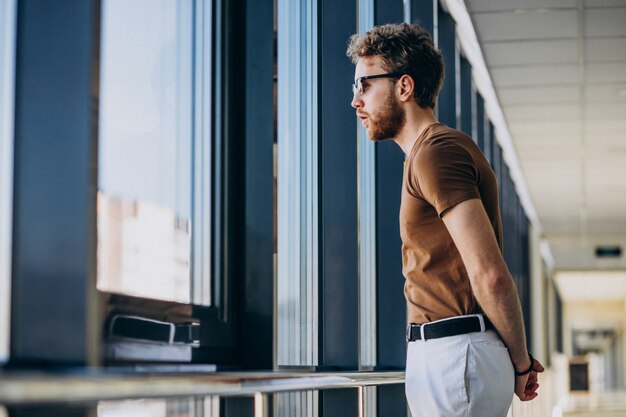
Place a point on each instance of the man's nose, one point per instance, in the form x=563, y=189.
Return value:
x=356, y=100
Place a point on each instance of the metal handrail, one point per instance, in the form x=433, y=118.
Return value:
x=53, y=388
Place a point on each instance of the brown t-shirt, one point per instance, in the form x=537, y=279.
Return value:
x=444, y=168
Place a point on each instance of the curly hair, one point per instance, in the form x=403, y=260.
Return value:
x=407, y=49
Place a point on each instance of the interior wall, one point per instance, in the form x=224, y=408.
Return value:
x=597, y=315
x=538, y=288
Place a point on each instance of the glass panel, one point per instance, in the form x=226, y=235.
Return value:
x=297, y=199
x=184, y=407
x=296, y=404
x=7, y=72
x=149, y=110
x=148, y=407
x=367, y=225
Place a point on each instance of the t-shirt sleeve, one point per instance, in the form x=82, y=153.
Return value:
x=446, y=174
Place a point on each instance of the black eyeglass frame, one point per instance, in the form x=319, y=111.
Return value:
x=358, y=83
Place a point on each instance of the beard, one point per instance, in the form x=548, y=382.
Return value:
x=388, y=122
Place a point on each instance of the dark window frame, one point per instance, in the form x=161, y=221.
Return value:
x=55, y=183
x=217, y=327
x=448, y=103
x=466, y=96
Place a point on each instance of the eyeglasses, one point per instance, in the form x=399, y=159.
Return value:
x=357, y=87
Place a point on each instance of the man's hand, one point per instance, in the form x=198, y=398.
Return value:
x=526, y=385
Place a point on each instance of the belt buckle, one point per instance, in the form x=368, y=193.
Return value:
x=422, y=328
x=481, y=321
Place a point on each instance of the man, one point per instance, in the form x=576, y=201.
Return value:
x=467, y=350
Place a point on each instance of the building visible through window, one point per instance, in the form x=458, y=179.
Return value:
x=148, y=137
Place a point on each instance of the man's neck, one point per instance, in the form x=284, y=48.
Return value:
x=417, y=120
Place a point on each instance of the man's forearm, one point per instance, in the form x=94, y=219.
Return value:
x=491, y=282
x=498, y=298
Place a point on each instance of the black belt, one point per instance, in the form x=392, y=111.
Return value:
x=447, y=327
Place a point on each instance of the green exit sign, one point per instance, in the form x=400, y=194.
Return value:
x=608, y=251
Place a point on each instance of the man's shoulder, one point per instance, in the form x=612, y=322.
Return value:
x=446, y=143
x=442, y=134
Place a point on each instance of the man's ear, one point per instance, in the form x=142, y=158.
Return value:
x=407, y=86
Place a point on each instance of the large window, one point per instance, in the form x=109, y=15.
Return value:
x=7, y=63
x=124, y=162
x=154, y=181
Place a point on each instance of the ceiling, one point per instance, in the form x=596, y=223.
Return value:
x=586, y=286
x=558, y=68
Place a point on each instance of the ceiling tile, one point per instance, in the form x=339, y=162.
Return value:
x=607, y=168
x=566, y=168
x=567, y=217
x=605, y=226
x=599, y=186
x=543, y=112
x=608, y=72
x=549, y=127
x=560, y=202
x=605, y=3
x=606, y=92
x=606, y=111
x=549, y=145
x=601, y=126
x=558, y=226
x=545, y=155
x=540, y=95
x=607, y=286
x=605, y=49
x=538, y=52
x=499, y=5
x=607, y=153
x=535, y=76
x=605, y=22
x=510, y=26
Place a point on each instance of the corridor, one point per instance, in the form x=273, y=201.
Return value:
x=194, y=223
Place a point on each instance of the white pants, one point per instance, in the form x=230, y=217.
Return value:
x=469, y=375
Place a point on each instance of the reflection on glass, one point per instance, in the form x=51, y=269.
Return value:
x=185, y=407
x=7, y=63
x=145, y=148
x=299, y=403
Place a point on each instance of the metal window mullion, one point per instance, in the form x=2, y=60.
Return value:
x=310, y=110
x=55, y=207
x=467, y=98
x=458, y=92
x=447, y=42
x=7, y=72
x=367, y=401
x=217, y=132
x=201, y=136
x=474, y=112
x=297, y=184
x=367, y=224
